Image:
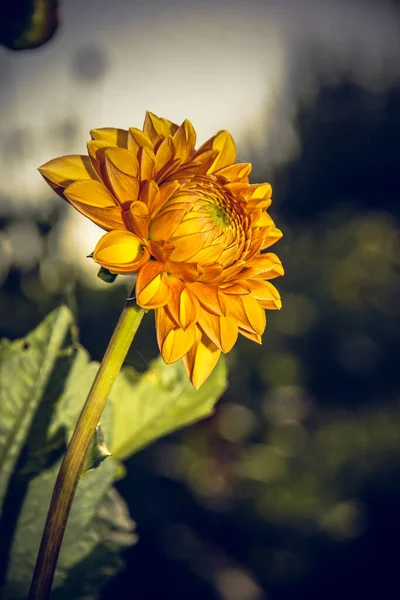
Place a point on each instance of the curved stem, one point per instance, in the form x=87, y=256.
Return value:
x=72, y=465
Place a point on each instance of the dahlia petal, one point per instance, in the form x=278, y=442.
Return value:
x=260, y=190
x=236, y=172
x=228, y=330
x=176, y=287
x=265, y=266
x=264, y=220
x=188, y=272
x=254, y=313
x=139, y=219
x=224, y=144
x=210, y=272
x=208, y=255
x=120, y=252
x=201, y=360
x=263, y=290
x=97, y=153
x=274, y=234
x=271, y=304
x=122, y=170
x=184, y=141
x=164, y=153
x=233, y=306
x=147, y=162
x=177, y=343
x=235, y=288
x=209, y=324
x=194, y=223
x=90, y=193
x=106, y=218
x=164, y=324
x=186, y=247
x=164, y=224
x=97, y=150
x=231, y=272
x=189, y=309
x=169, y=171
x=207, y=295
x=111, y=135
x=137, y=139
x=65, y=170
x=156, y=127
x=151, y=289
x=254, y=337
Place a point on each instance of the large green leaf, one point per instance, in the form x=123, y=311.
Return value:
x=159, y=402
x=25, y=369
x=45, y=379
x=52, y=379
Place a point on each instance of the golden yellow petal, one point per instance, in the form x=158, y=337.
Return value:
x=254, y=313
x=164, y=224
x=137, y=140
x=111, y=135
x=189, y=309
x=164, y=153
x=151, y=288
x=122, y=171
x=254, y=337
x=147, y=162
x=106, y=218
x=233, y=306
x=176, y=286
x=265, y=266
x=209, y=324
x=120, y=252
x=139, y=219
x=97, y=150
x=156, y=127
x=177, y=343
x=208, y=255
x=260, y=190
x=263, y=290
x=228, y=328
x=207, y=295
x=184, y=141
x=164, y=324
x=65, y=170
x=236, y=172
x=186, y=247
x=91, y=193
x=188, y=272
x=209, y=272
x=166, y=190
x=225, y=146
x=274, y=234
x=201, y=360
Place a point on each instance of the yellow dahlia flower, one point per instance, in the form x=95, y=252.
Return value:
x=191, y=226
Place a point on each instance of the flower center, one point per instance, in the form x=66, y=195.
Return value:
x=218, y=215
x=204, y=222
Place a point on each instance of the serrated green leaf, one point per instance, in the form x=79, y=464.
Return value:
x=25, y=369
x=159, y=402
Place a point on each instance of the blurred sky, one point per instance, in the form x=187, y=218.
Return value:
x=243, y=66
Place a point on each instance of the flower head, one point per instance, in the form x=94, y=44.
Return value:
x=191, y=226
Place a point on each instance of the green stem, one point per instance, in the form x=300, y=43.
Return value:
x=72, y=465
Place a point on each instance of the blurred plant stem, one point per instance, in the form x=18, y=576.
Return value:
x=73, y=463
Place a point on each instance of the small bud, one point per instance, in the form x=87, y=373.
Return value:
x=106, y=275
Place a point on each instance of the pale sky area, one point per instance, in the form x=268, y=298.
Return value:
x=242, y=66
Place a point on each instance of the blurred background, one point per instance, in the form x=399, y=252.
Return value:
x=292, y=489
